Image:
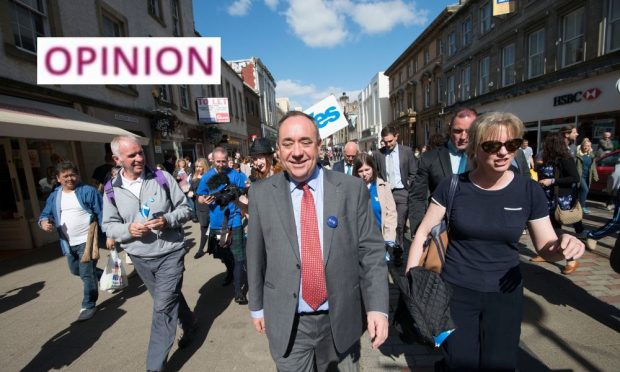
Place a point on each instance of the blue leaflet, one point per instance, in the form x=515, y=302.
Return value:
x=439, y=339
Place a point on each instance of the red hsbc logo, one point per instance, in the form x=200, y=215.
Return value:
x=591, y=94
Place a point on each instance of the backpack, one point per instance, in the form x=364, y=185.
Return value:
x=108, y=189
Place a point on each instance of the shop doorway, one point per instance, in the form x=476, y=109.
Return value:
x=14, y=230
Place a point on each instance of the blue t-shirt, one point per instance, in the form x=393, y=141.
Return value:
x=374, y=199
x=485, y=228
x=216, y=213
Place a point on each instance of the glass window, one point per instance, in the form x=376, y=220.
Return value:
x=111, y=26
x=164, y=94
x=155, y=8
x=410, y=68
x=484, y=67
x=614, y=25
x=28, y=21
x=184, y=96
x=451, y=93
x=439, y=89
x=427, y=55
x=427, y=95
x=467, y=31
x=508, y=65
x=573, y=38
x=452, y=43
x=536, y=53
x=176, y=18
x=485, y=18
x=465, y=82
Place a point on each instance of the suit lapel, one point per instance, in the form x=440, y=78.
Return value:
x=444, y=160
x=281, y=191
x=331, y=206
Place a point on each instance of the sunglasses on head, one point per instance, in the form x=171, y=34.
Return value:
x=492, y=147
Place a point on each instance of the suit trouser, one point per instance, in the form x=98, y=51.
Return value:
x=401, y=198
x=488, y=326
x=163, y=277
x=312, y=348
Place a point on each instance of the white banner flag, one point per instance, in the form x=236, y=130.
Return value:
x=328, y=116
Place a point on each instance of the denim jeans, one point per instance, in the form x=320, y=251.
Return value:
x=88, y=272
x=583, y=192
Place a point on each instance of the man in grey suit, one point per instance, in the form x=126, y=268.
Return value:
x=439, y=163
x=351, y=149
x=397, y=165
x=310, y=267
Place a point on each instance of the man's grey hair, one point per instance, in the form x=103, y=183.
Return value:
x=115, y=145
x=354, y=144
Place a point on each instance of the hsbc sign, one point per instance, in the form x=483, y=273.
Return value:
x=586, y=95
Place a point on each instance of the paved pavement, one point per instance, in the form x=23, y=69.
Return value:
x=570, y=322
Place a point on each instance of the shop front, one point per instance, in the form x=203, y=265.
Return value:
x=34, y=137
x=591, y=104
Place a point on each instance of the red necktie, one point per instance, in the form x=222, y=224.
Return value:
x=312, y=272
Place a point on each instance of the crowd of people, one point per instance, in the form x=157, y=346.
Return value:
x=304, y=246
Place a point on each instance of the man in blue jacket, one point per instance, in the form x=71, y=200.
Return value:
x=71, y=208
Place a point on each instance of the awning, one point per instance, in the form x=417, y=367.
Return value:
x=32, y=119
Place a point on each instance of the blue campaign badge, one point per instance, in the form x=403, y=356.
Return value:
x=332, y=222
x=439, y=339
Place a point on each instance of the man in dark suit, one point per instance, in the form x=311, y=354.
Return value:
x=397, y=165
x=439, y=163
x=310, y=267
x=351, y=149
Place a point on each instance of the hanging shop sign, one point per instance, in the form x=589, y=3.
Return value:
x=212, y=110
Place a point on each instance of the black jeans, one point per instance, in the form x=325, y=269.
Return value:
x=488, y=327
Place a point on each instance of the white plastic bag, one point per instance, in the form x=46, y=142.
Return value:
x=114, y=276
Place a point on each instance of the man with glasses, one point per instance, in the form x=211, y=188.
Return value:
x=439, y=163
x=351, y=149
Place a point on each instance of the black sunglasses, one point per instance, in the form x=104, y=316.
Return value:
x=492, y=147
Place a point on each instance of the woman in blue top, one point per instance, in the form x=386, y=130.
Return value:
x=491, y=207
x=383, y=204
x=586, y=167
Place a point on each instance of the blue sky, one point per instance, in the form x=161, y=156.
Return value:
x=316, y=47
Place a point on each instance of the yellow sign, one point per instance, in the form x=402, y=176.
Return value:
x=501, y=7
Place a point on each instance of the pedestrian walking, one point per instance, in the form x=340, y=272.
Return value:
x=351, y=149
x=611, y=227
x=202, y=210
x=586, y=168
x=144, y=210
x=74, y=210
x=490, y=208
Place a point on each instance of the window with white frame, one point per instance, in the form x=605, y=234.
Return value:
x=508, y=65
x=451, y=93
x=536, y=53
x=465, y=82
x=29, y=20
x=484, y=70
x=112, y=27
x=467, y=31
x=176, y=18
x=485, y=18
x=614, y=25
x=573, y=37
x=165, y=95
x=184, y=96
x=452, y=43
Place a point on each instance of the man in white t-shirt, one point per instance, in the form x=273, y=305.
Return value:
x=71, y=208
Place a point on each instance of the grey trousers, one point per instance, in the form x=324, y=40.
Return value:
x=401, y=198
x=163, y=277
x=312, y=348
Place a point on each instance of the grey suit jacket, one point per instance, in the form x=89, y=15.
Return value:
x=434, y=166
x=408, y=164
x=353, y=254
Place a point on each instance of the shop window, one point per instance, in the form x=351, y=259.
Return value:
x=485, y=18
x=536, y=54
x=465, y=82
x=573, y=38
x=484, y=69
x=467, y=31
x=614, y=25
x=29, y=20
x=508, y=65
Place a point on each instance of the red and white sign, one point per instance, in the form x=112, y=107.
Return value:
x=591, y=94
x=128, y=60
x=212, y=110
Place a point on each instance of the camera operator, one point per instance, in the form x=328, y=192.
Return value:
x=220, y=187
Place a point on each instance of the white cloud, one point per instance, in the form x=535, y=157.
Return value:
x=316, y=24
x=306, y=95
x=292, y=88
x=383, y=16
x=272, y=4
x=239, y=8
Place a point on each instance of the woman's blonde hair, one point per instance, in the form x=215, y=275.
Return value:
x=586, y=140
x=202, y=162
x=488, y=125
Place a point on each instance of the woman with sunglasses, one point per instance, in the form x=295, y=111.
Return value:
x=559, y=171
x=491, y=207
